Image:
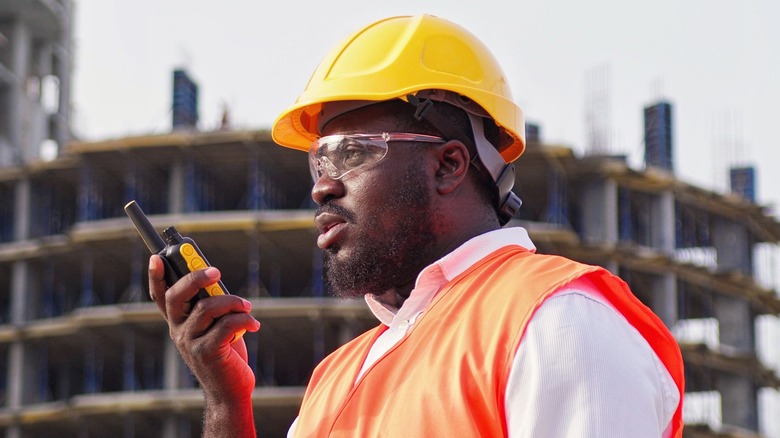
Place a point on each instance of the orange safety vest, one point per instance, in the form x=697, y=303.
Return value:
x=448, y=375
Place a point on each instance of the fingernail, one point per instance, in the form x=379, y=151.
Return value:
x=247, y=304
x=212, y=273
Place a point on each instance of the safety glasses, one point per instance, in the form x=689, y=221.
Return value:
x=338, y=155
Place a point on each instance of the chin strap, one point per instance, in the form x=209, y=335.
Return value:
x=485, y=157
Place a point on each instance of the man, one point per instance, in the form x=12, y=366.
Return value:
x=411, y=131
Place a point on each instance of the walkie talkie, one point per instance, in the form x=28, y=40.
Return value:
x=180, y=254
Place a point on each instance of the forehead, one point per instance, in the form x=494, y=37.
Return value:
x=379, y=117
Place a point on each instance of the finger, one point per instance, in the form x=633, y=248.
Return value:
x=230, y=311
x=157, y=285
x=226, y=316
x=178, y=297
x=232, y=328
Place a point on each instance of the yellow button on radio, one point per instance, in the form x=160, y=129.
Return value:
x=214, y=289
x=187, y=250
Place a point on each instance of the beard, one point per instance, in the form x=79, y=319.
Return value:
x=394, y=257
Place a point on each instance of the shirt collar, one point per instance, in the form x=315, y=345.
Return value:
x=430, y=279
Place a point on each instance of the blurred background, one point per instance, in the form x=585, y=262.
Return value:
x=650, y=152
x=583, y=71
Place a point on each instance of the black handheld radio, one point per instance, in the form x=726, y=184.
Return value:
x=180, y=254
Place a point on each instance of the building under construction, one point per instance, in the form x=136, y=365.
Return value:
x=85, y=353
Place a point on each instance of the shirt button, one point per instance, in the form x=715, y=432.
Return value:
x=404, y=324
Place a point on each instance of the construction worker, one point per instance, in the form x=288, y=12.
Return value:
x=411, y=130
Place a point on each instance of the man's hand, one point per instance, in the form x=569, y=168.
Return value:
x=204, y=335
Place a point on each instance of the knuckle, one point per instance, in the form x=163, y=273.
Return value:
x=176, y=337
x=197, y=349
x=196, y=279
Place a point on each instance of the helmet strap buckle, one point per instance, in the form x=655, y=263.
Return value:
x=421, y=107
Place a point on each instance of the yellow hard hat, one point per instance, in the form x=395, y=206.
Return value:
x=399, y=56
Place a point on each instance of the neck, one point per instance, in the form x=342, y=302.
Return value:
x=393, y=298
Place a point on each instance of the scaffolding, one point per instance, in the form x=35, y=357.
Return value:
x=77, y=323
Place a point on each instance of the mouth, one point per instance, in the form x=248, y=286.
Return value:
x=331, y=228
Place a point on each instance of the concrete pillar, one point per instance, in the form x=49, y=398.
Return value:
x=42, y=65
x=22, y=207
x=731, y=242
x=174, y=369
x=62, y=69
x=18, y=117
x=600, y=212
x=32, y=62
x=665, y=298
x=662, y=231
x=735, y=321
x=16, y=376
x=172, y=365
x=738, y=401
x=44, y=59
x=19, y=292
x=14, y=432
x=662, y=239
x=612, y=266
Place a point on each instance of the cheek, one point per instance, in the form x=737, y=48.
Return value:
x=376, y=211
x=361, y=199
x=382, y=198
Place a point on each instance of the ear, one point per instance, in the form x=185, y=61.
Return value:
x=452, y=166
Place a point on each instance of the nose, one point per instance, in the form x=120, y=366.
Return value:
x=326, y=188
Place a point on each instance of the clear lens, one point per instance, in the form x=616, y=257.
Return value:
x=337, y=155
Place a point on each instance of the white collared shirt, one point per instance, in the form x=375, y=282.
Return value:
x=581, y=369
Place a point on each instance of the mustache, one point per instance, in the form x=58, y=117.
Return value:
x=335, y=209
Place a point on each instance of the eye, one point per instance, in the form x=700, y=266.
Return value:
x=353, y=154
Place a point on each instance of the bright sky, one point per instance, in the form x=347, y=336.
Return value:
x=717, y=61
